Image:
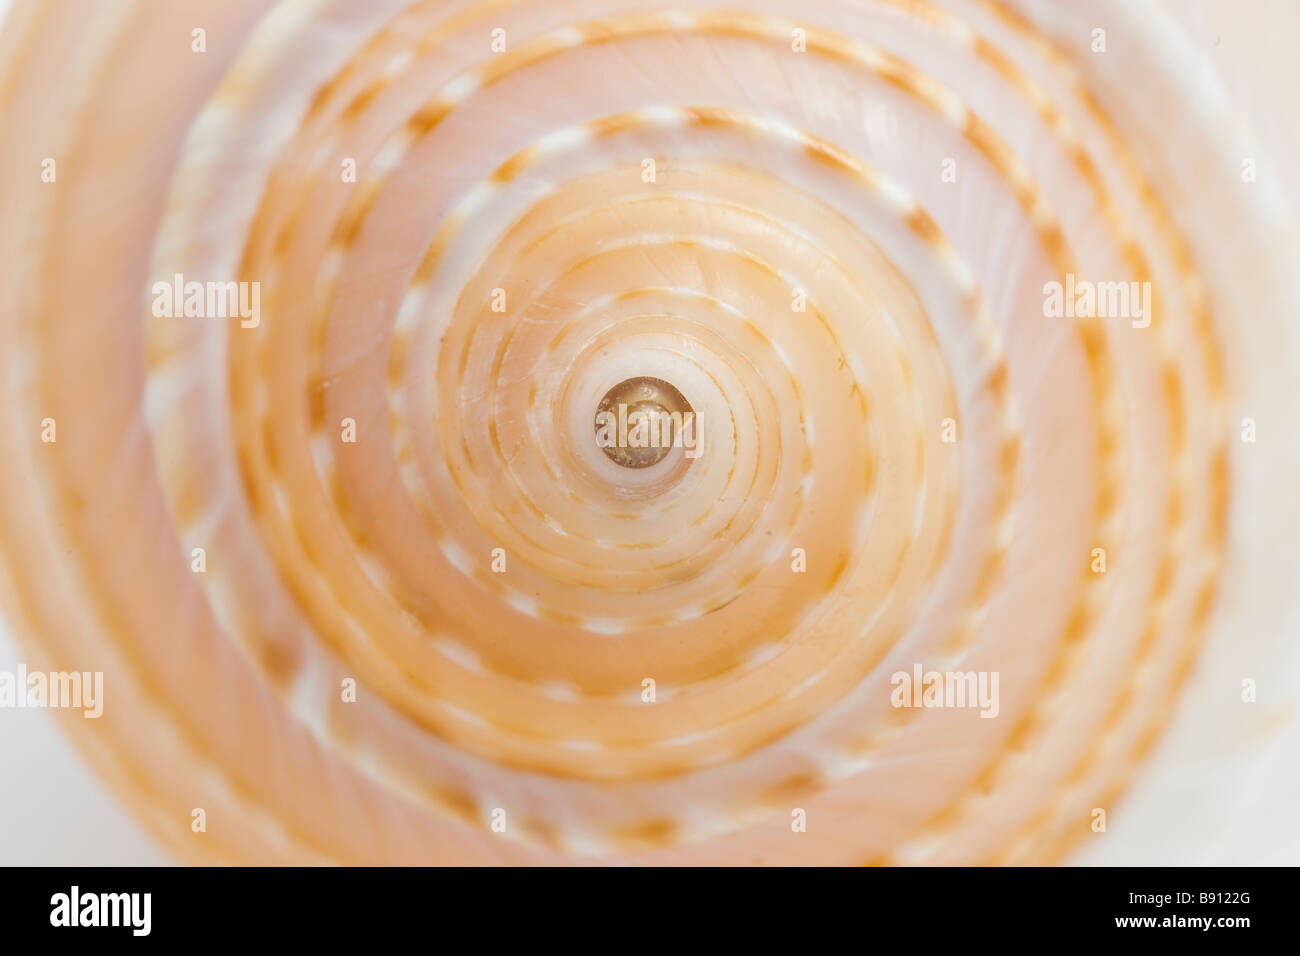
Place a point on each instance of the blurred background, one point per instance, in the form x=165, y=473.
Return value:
x=54, y=810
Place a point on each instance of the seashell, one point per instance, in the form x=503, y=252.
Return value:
x=962, y=308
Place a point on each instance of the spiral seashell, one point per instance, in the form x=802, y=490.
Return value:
x=315, y=313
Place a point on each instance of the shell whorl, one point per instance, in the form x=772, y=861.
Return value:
x=828, y=225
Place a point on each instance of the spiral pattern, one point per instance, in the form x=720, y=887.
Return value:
x=430, y=621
